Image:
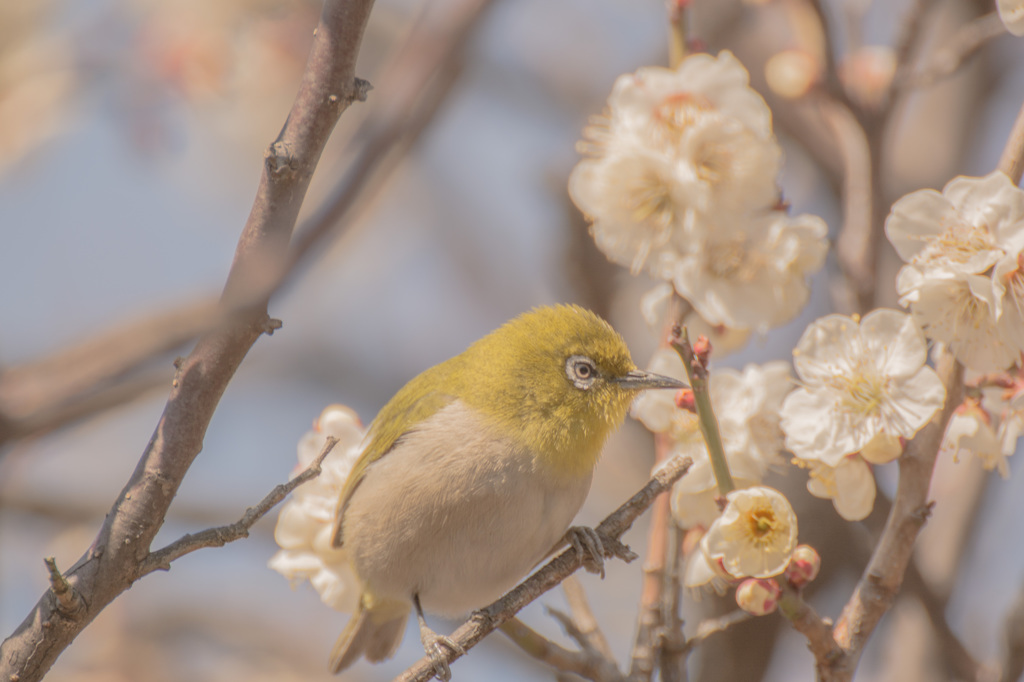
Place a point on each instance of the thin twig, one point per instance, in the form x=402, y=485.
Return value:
x=713, y=626
x=161, y=559
x=111, y=564
x=857, y=245
x=538, y=646
x=69, y=602
x=485, y=621
x=954, y=53
x=671, y=665
x=583, y=616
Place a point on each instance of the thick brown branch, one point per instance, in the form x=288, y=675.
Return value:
x=222, y=535
x=112, y=563
x=485, y=621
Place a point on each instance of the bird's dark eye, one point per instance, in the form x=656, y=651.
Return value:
x=581, y=371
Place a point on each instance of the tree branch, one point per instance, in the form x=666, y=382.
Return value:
x=161, y=559
x=485, y=621
x=112, y=563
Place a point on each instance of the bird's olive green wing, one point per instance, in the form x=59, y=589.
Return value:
x=416, y=401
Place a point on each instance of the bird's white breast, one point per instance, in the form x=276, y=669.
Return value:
x=456, y=513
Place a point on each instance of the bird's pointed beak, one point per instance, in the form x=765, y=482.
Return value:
x=639, y=380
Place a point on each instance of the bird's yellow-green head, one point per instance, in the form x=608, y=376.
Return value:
x=558, y=379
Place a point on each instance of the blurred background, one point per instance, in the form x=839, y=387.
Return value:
x=132, y=135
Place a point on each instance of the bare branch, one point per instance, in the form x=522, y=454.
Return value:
x=712, y=626
x=544, y=650
x=222, y=535
x=857, y=245
x=485, y=621
x=583, y=617
x=955, y=51
x=112, y=563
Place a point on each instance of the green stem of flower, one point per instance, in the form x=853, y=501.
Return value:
x=697, y=374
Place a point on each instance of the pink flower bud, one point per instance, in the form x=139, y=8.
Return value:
x=803, y=566
x=685, y=400
x=758, y=596
x=702, y=349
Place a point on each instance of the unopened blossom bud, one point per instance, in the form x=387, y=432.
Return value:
x=685, y=400
x=803, y=566
x=758, y=596
x=867, y=74
x=702, y=349
x=792, y=73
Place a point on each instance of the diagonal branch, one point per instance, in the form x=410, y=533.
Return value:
x=485, y=621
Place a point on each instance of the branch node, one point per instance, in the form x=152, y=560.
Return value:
x=361, y=88
x=271, y=325
x=69, y=602
x=922, y=513
x=279, y=159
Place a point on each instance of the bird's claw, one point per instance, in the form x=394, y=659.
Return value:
x=588, y=544
x=434, y=645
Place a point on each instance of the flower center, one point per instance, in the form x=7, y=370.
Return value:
x=678, y=112
x=862, y=392
x=958, y=244
x=650, y=201
x=762, y=525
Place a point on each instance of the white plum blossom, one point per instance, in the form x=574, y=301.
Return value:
x=850, y=485
x=306, y=522
x=858, y=380
x=746, y=404
x=755, y=534
x=962, y=280
x=751, y=272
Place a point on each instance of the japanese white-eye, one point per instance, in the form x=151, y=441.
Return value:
x=474, y=470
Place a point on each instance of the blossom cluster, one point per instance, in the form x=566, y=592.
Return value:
x=963, y=280
x=305, y=525
x=681, y=182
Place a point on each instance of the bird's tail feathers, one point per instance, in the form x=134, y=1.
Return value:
x=375, y=631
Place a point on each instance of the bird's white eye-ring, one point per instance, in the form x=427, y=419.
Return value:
x=581, y=371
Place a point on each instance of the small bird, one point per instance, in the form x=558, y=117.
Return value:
x=474, y=470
